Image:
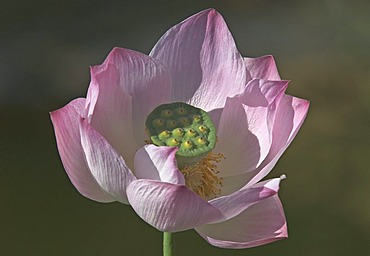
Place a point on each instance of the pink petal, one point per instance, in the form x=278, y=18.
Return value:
x=170, y=207
x=237, y=202
x=158, y=163
x=215, y=115
x=289, y=118
x=262, y=67
x=146, y=80
x=236, y=142
x=110, y=111
x=259, y=224
x=262, y=93
x=245, y=127
x=108, y=167
x=233, y=183
x=67, y=133
x=205, y=64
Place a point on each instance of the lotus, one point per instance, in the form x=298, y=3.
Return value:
x=185, y=135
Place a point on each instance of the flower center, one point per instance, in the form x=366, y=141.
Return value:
x=202, y=177
x=191, y=130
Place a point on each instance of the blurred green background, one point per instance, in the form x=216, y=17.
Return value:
x=46, y=48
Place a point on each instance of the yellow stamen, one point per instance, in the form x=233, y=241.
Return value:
x=202, y=178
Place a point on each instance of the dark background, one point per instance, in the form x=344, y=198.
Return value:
x=46, y=48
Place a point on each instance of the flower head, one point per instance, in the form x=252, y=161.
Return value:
x=185, y=135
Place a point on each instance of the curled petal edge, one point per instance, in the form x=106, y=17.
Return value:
x=237, y=202
x=170, y=207
x=260, y=224
x=158, y=163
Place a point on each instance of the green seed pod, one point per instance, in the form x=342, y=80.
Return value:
x=187, y=145
x=203, y=129
x=158, y=122
x=201, y=140
x=178, y=132
x=191, y=132
x=164, y=135
x=166, y=113
x=172, y=142
x=171, y=124
x=181, y=111
x=197, y=118
x=183, y=121
x=184, y=126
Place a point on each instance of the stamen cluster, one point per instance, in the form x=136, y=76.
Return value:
x=202, y=177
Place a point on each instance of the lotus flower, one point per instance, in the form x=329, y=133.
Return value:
x=109, y=153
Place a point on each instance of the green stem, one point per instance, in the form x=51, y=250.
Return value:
x=168, y=244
